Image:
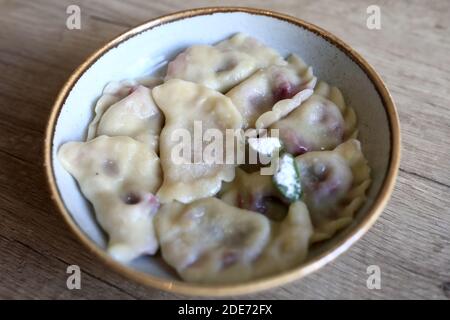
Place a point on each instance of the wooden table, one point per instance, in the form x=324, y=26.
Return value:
x=411, y=240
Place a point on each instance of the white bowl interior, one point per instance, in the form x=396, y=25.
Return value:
x=148, y=52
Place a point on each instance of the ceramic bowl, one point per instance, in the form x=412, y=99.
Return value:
x=146, y=48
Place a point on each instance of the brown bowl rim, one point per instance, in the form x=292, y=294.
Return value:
x=178, y=286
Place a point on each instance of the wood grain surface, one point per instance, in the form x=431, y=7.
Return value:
x=411, y=240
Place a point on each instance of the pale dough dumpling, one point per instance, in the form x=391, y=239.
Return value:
x=335, y=95
x=224, y=65
x=289, y=243
x=317, y=124
x=271, y=86
x=207, y=239
x=131, y=104
x=188, y=175
x=334, y=185
x=119, y=176
x=320, y=123
x=114, y=91
x=135, y=116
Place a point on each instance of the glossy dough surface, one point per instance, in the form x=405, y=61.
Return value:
x=254, y=192
x=119, y=176
x=224, y=65
x=135, y=116
x=263, y=90
x=209, y=241
x=130, y=111
x=334, y=185
x=192, y=177
x=322, y=122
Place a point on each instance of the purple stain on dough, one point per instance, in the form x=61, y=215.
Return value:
x=229, y=258
x=261, y=203
x=154, y=203
x=325, y=117
x=132, y=89
x=258, y=204
x=293, y=143
x=110, y=167
x=283, y=90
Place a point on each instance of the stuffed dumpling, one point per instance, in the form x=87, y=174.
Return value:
x=224, y=65
x=334, y=185
x=120, y=177
x=276, y=89
x=135, y=116
x=188, y=175
x=322, y=122
x=129, y=103
x=209, y=241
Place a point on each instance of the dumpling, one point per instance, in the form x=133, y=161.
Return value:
x=113, y=92
x=205, y=239
x=188, y=174
x=264, y=56
x=255, y=192
x=289, y=243
x=271, y=86
x=208, y=241
x=135, y=116
x=119, y=176
x=335, y=95
x=281, y=109
x=334, y=185
x=317, y=124
x=130, y=98
x=224, y=65
x=320, y=123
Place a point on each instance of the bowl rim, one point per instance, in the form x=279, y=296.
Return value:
x=186, y=288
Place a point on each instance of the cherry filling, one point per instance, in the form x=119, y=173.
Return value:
x=132, y=89
x=269, y=205
x=131, y=198
x=240, y=201
x=283, y=90
x=153, y=200
x=293, y=143
x=325, y=122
